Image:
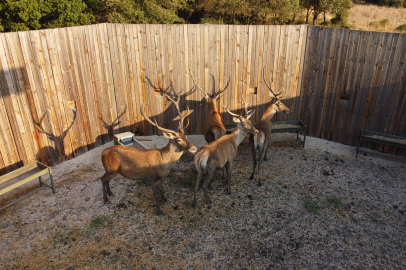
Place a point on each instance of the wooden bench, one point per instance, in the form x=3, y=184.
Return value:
x=282, y=126
x=377, y=137
x=24, y=175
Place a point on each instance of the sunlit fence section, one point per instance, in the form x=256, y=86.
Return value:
x=65, y=91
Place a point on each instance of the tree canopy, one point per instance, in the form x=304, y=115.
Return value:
x=22, y=15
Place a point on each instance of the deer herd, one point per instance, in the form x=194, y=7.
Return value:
x=154, y=165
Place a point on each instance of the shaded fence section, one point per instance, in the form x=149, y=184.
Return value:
x=354, y=80
x=337, y=81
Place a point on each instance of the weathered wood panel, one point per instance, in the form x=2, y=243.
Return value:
x=336, y=81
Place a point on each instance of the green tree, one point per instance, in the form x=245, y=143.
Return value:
x=22, y=15
x=136, y=11
x=276, y=11
x=392, y=3
x=340, y=9
x=225, y=11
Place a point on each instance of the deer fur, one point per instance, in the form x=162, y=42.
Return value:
x=152, y=164
x=260, y=142
x=221, y=153
x=214, y=127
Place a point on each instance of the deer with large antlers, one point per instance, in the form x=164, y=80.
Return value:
x=221, y=153
x=214, y=127
x=152, y=164
x=260, y=142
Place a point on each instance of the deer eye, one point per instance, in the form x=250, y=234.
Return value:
x=179, y=140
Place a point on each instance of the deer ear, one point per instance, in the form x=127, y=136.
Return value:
x=169, y=135
x=236, y=120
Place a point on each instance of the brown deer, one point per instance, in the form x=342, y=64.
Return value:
x=151, y=164
x=260, y=142
x=214, y=128
x=221, y=153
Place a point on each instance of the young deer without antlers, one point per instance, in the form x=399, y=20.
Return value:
x=262, y=140
x=214, y=128
x=222, y=152
x=151, y=164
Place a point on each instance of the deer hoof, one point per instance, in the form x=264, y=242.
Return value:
x=112, y=195
x=259, y=183
x=107, y=203
x=251, y=177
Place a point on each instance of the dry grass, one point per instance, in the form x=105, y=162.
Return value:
x=315, y=210
x=376, y=18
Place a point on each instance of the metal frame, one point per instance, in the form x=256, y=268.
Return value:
x=365, y=137
x=11, y=175
x=129, y=141
x=300, y=127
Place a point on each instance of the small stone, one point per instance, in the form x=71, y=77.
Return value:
x=105, y=253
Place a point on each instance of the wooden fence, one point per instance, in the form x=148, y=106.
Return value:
x=337, y=81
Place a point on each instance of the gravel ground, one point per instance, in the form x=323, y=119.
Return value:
x=318, y=208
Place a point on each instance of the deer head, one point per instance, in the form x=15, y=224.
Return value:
x=276, y=99
x=215, y=94
x=243, y=120
x=178, y=137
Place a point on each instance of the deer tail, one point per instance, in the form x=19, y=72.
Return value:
x=201, y=161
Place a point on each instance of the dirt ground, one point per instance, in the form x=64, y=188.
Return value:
x=318, y=208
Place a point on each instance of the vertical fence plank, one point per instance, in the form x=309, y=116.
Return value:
x=336, y=79
x=8, y=81
x=14, y=45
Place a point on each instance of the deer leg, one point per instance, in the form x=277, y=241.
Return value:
x=254, y=156
x=266, y=155
x=209, y=176
x=199, y=176
x=155, y=191
x=108, y=189
x=161, y=192
x=229, y=166
x=262, y=155
x=105, y=186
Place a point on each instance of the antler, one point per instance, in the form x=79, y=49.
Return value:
x=270, y=89
x=218, y=93
x=201, y=89
x=246, y=105
x=233, y=114
x=181, y=117
x=154, y=124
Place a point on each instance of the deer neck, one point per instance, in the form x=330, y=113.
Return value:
x=170, y=152
x=238, y=134
x=269, y=113
x=212, y=105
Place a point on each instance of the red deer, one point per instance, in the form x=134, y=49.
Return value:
x=214, y=128
x=152, y=164
x=221, y=153
x=260, y=142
